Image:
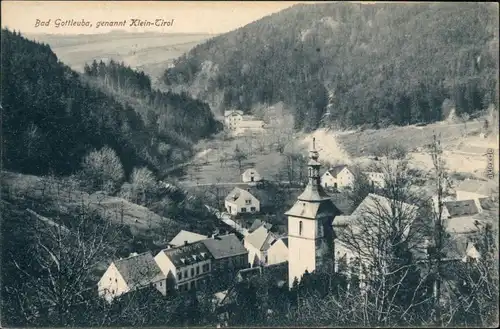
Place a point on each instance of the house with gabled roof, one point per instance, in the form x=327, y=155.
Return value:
x=241, y=201
x=337, y=177
x=228, y=253
x=373, y=206
x=258, y=243
x=250, y=176
x=186, y=237
x=188, y=266
x=258, y=223
x=132, y=273
x=460, y=216
x=278, y=251
x=376, y=177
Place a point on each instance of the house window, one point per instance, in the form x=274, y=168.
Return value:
x=197, y=270
x=160, y=283
x=192, y=271
x=180, y=275
x=188, y=286
x=186, y=274
x=248, y=201
x=243, y=209
x=109, y=279
x=251, y=178
x=113, y=291
x=300, y=227
x=116, y=280
x=252, y=209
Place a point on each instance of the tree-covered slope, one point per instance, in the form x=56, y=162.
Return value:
x=350, y=64
x=51, y=117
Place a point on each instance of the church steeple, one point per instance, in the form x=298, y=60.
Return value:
x=313, y=191
x=310, y=229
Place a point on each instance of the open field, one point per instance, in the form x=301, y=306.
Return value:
x=150, y=52
x=464, y=151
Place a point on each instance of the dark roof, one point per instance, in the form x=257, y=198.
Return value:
x=258, y=223
x=487, y=203
x=334, y=171
x=188, y=254
x=224, y=246
x=461, y=208
x=249, y=272
x=285, y=241
x=139, y=270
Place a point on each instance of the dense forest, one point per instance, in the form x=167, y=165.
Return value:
x=346, y=64
x=164, y=113
x=52, y=117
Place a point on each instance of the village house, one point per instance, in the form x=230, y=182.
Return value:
x=135, y=272
x=228, y=253
x=278, y=251
x=258, y=223
x=472, y=189
x=250, y=176
x=188, y=266
x=258, y=243
x=375, y=177
x=370, y=208
x=337, y=177
x=460, y=216
x=241, y=201
x=232, y=119
x=239, y=123
x=186, y=237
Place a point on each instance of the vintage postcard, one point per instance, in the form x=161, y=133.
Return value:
x=249, y=164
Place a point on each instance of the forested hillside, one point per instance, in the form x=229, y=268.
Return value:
x=52, y=117
x=347, y=64
x=166, y=114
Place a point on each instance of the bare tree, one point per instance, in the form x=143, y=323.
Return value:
x=103, y=166
x=441, y=182
x=239, y=156
x=382, y=237
x=464, y=117
x=142, y=180
x=58, y=282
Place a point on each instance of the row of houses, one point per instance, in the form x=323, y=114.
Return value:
x=341, y=176
x=191, y=259
x=186, y=264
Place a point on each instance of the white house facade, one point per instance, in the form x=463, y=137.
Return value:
x=132, y=273
x=337, y=177
x=241, y=201
x=250, y=175
x=188, y=266
x=377, y=179
x=258, y=243
x=278, y=251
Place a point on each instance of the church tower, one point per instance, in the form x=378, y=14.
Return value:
x=310, y=233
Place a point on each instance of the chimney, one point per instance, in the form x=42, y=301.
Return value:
x=185, y=242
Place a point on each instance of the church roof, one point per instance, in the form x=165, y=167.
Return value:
x=313, y=210
x=315, y=193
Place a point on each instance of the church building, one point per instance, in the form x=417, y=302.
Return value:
x=310, y=231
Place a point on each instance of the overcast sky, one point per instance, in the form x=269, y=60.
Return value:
x=211, y=17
